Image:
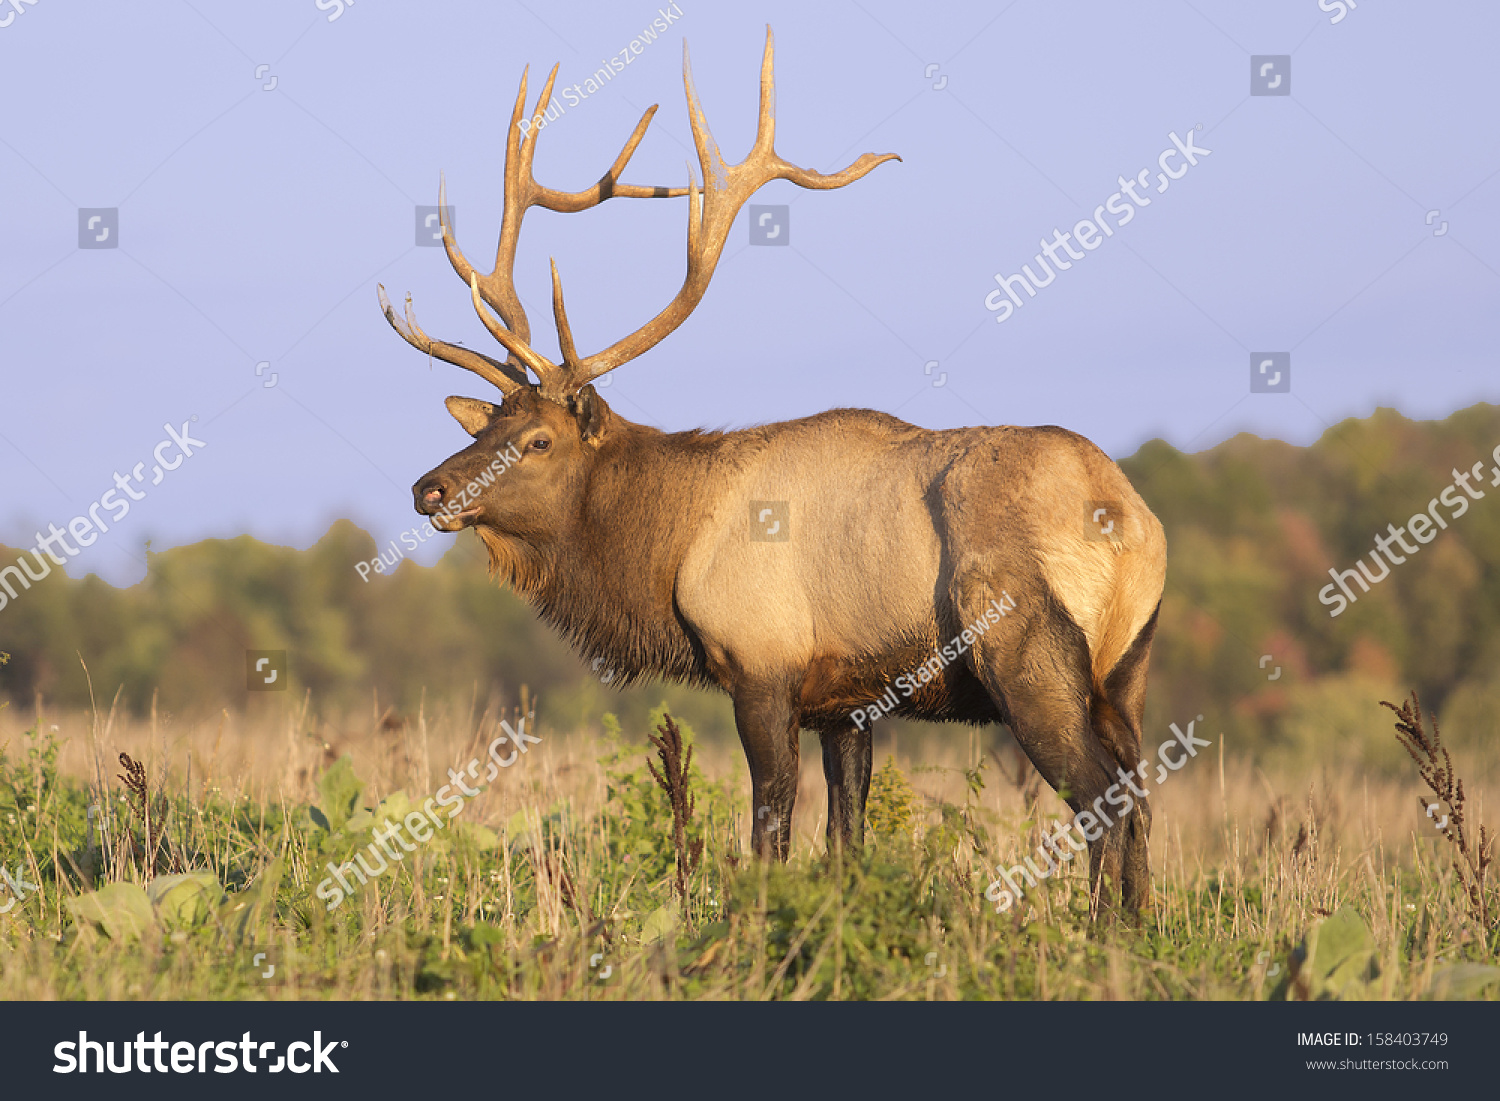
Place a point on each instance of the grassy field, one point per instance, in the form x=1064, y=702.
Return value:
x=166, y=875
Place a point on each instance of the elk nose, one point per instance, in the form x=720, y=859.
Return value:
x=429, y=495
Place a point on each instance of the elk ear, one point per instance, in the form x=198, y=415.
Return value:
x=474, y=415
x=591, y=412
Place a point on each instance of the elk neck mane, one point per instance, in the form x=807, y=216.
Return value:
x=608, y=582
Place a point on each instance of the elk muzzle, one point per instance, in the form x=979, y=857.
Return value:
x=431, y=497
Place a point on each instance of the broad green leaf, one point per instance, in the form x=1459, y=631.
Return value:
x=339, y=790
x=1043, y=934
x=394, y=807
x=1336, y=960
x=518, y=830
x=185, y=901
x=660, y=925
x=121, y=910
x=243, y=913
x=478, y=836
x=1463, y=981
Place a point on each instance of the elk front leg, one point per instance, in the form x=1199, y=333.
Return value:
x=847, y=756
x=768, y=725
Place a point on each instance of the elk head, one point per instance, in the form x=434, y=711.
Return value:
x=551, y=430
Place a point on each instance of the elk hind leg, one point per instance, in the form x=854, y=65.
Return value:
x=1036, y=669
x=1118, y=715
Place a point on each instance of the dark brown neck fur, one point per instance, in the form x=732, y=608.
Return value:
x=608, y=582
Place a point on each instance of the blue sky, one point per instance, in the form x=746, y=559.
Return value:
x=266, y=162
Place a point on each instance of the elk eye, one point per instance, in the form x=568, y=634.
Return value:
x=541, y=443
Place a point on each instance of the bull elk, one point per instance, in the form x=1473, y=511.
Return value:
x=900, y=546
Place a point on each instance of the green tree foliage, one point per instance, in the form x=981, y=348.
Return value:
x=185, y=629
x=1253, y=528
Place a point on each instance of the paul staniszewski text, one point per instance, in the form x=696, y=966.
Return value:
x=574, y=94
x=942, y=657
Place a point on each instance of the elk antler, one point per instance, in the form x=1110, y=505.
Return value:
x=498, y=288
x=712, y=211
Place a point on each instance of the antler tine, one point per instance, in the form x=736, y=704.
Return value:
x=765, y=123
x=538, y=118
x=450, y=245
x=508, y=306
x=497, y=290
x=609, y=185
x=499, y=286
x=710, y=160
x=544, y=368
x=714, y=209
x=564, y=330
x=502, y=375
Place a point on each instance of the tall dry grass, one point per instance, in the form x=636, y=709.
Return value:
x=1245, y=860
